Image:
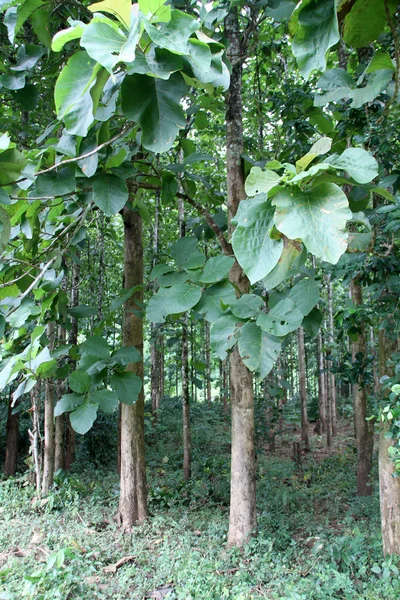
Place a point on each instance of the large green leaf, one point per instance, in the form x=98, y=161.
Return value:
x=66, y=35
x=127, y=386
x=108, y=45
x=79, y=382
x=259, y=181
x=67, y=403
x=291, y=250
x=248, y=305
x=305, y=294
x=109, y=193
x=5, y=228
x=185, y=253
x=222, y=334
x=317, y=32
x=95, y=346
x=317, y=216
x=255, y=250
x=175, y=34
x=12, y=164
x=312, y=322
x=216, y=268
x=365, y=21
x=72, y=93
x=338, y=85
x=282, y=319
x=211, y=299
x=121, y=9
x=106, y=399
x=126, y=355
x=57, y=183
x=358, y=163
x=155, y=105
x=258, y=349
x=155, y=10
x=83, y=417
x=170, y=301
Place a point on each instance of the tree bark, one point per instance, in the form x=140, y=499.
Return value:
x=363, y=428
x=60, y=424
x=73, y=339
x=12, y=437
x=331, y=376
x=321, y=384
x=303, y=389
x=35, y=437
x=49, y=449
x=389, y=486
x=154, y=337
x=133, y=495
x=242, y=519
x=208, y=364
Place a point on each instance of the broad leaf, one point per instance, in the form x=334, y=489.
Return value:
x=12, y=164
x=258, y=349
x=79, y=382
x=83, y=417
x=211, y=299
x=259, y=181
x=248, y=305
x=216, y=268
x=365, y=21
x=291, y=250
x=72, y=93
x=175, y=34
x=222, y=335
x=155, y=105
x=108, y=45
x=110, y=193
x=126, y=355
x=106, y=399
x=67, y=403
x=358, y=163
x=66, y=35
x=170, y=301
x=121, y=9
x=317, y=216
x=305, y=294
x=82, y=311
x=317, y=32
x=57, y=183
x=95, y=346
x=255, y=250
x=5, y=228
x=282, y=319
x=312, y=322
x=127, y=386
x=155, y=10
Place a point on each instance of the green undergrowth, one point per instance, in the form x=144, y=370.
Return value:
x=315, y=540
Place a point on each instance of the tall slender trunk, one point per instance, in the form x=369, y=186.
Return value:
x=303, y=389
x=187, y=438
x=73, y=339
x=331, y=376
x=363, y=428
x=154, y=333
x=133, y=495
x=242, y=519
x=100, y=287
x=12, y=436
x=208, y=363
x=389, y=485
x=59, y=434
x=321, y=383
x=35, y=437
x=48, y=449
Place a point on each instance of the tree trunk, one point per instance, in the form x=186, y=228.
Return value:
x=208, y=364
x=35, y=437
x=133, y=494
x=242, y=519
x=302, y=389
x=321, y=384
x=60, y=424
x=12, y=436
x=187, y=438
x=389, y=486
x=331, y=376
x=363, y=428
x=48, y=453
x=73, y=339
x=154, y=334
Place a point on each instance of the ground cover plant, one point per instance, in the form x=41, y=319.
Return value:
x=316, y=539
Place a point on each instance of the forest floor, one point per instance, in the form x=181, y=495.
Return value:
x=316, y=540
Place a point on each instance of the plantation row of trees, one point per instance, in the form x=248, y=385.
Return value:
x=200, y=195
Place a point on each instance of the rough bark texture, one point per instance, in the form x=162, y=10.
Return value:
x=155, y=337
x=35, y=437
x=133, y=495
x=59, y=435
x=363, y=428
x=303, y=389
x=73, y=339
x=389, y=486
x=331, y=376
x=12, y=436
x=242, y=519
x=321, y=384
x=208, y=363
x=187, y=438
x=48, y=449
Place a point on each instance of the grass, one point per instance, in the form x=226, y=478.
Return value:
x=316, y=540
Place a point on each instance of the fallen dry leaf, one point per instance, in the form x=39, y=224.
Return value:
x=160, y=593
x=113, y=568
